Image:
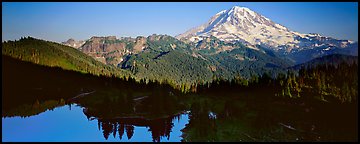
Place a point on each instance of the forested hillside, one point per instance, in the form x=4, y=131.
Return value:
x=56, y=55
x=168, y=60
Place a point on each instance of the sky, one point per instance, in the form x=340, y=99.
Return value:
x=81, y=20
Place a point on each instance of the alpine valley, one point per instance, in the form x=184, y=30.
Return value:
x=238, y=77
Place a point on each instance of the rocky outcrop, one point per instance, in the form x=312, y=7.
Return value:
x=73, y=43
x=111, y=50
x=140, y=44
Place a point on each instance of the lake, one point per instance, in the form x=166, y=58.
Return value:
x=63, y=124
x=41, y=104
x=98, y=117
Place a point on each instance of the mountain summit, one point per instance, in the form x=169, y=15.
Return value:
x=244, y=25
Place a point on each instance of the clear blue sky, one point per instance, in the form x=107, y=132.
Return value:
x=63, y=20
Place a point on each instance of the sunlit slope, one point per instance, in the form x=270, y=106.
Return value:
x=56, y=55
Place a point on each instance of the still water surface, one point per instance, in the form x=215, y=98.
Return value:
x=70, y=124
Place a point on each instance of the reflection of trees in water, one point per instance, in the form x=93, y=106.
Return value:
x=27, y=110
x=240, y=119
x=201, y=122
x=121, y=131
x=158, y=130
x=107, y=128
x=160, y=127
x=129, y=131
x=121, y=111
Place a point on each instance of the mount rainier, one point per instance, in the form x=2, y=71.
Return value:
x=220, y=42
x=254, y=30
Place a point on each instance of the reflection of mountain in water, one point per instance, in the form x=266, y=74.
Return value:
x=159, y=127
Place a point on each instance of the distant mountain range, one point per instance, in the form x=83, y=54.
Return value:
x=161, y=56
x=333, y=60
x=236, y=25
x=71, y=42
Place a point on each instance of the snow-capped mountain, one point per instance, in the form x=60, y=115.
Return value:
x=244, y=25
